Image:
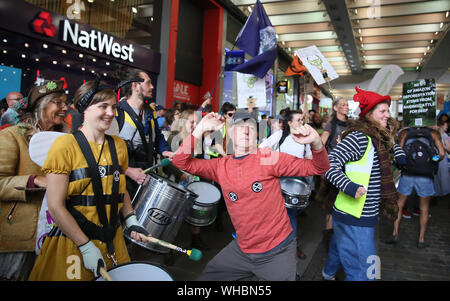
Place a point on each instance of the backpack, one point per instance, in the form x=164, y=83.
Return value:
x=420, y=149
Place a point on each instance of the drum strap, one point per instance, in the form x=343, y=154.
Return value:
x=107, y=230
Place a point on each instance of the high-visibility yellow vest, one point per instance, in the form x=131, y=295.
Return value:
x=358, y=172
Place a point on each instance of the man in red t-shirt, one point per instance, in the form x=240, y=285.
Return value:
x=265, y=244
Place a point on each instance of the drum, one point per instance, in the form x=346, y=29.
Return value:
x=137, y=271
x=161, y=209
x=295, y=192
x=204, y=210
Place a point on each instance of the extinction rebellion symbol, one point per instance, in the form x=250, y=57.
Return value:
x=43, y=25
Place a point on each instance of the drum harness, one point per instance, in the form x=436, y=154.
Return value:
x=107, y=230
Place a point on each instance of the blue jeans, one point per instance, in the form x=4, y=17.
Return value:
x=353, y=248
x=293, y=214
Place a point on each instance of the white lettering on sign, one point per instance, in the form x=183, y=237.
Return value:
x=96, y=41
x=181, y=91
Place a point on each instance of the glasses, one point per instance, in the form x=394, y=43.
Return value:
x=60, y=104
x=230, y=114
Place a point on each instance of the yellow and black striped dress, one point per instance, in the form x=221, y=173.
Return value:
x=59, y=257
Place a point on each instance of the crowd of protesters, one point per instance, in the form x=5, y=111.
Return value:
x=347, y=163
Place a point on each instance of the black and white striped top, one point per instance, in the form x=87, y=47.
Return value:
x=352, y=148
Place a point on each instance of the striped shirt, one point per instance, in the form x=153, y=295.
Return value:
x=352, y=148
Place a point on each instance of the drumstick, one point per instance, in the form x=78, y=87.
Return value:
x=105, y=274
x=193, y=254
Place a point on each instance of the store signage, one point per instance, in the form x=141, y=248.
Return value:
x=185, y=92
x=96, y=41
x=43, y=25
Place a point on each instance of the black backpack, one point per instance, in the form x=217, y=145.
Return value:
x=420, y=149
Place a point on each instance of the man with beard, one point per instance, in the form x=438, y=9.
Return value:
x=138, y=127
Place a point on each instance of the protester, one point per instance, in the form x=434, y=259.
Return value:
x=137, y=126
x=249, y=179
x=366, y=187
x=418, y=174
x=283, y=141
x=9, y=116
x=72, y=189
x=330, y=137
x=19, y=208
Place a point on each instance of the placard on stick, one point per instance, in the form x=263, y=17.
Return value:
x=419, y=103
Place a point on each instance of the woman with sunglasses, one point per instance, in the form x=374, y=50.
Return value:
x=86, y=191
x=22, y=183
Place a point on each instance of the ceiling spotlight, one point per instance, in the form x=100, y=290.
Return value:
x=27, y=45
x=441, y=25
x=446, y=14
x=428, y=48
x=5, y=51
x=359, y=31
x=249, y=8
x=362, y=45
x=134, y=10
x=5, y=41
x=104, y=74
x=360, y=38
x=36, y=59
x=55, y=62
x=68, y=65
x=436, y=33
x=94, y=60
x=64, y=51
x=91, y=1
x=92, y=71
x=24, y=56
x=45, y=46
x=80, y=55
x=431, y=41
x=82, y=68
x=107, y=63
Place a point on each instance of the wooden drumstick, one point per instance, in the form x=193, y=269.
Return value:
x=105, y=274
x=193, y=254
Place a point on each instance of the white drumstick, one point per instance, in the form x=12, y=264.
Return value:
x=40, y=144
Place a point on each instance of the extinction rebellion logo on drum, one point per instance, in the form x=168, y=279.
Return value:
x=159, y=216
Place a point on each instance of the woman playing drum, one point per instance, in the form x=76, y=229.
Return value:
x=87, y=221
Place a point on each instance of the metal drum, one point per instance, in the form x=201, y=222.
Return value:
x=137, y=271
x=295, y=192
x=161, y=209
x=204, y=210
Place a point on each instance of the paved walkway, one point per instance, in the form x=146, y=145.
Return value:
x=404, y=261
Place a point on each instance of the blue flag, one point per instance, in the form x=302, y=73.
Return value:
x=258, y=39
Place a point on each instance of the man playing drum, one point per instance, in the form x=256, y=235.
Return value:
x=265, y=244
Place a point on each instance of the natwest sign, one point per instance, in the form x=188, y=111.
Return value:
x=96, y=41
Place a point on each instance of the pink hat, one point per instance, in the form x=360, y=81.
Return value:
x=367, y=100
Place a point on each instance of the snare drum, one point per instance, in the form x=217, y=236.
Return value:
x=137, y=271
x=295, y=192
x=204, y=209
x=161, y=209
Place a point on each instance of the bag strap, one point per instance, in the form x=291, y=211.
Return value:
x=100, y=200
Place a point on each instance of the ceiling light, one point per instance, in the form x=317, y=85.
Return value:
x=446, y=14
x=134, y=10
x=431, y=41
x=5, y=41
x=36, y=59
x=81, y=55
x=107, y=63
x=45, y=45
x=424, y=53
x=441, y=25
x=249, y=8
x=428, y=48
x=64, y=51
x=436, y=33
x=27, y=45
x=68, y=65
x=92, y=71
x=5, y=51
x=360, y=38
x=91, y=1
x=55, y=62
x=104, y=74
x=94, y=60
x=356, y=11
x=359, y=30
x=283, y=42
x=24, y=56
x=362, y=45
x=82, y=68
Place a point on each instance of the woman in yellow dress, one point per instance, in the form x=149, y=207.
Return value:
x=86, y=191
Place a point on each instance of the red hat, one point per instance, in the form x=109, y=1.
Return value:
x=367, y=100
